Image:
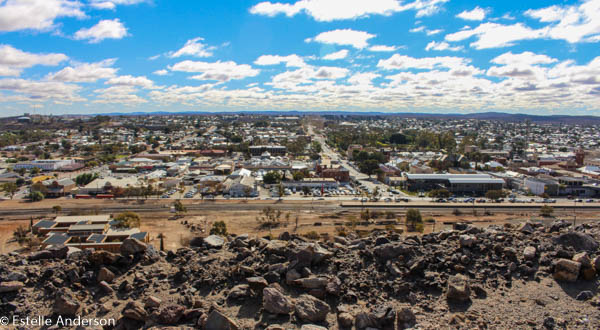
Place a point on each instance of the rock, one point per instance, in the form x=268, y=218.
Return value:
x=151, y=255
x=578, y=241
x=40, y=255
x=312, y=282
x=384, y=316
x=214, y=242
x=345, y=320
x=218, y=321
x=334, y=286
x=132, y=246
x=466, y=240
x=11, y=286
x=284, y=236
x=257, y=284
x=135, y=311
x=65, y=303
x=16, y=276
x=171, y=314
x=152, y=302
x=529, y=253
x=585, y=295
x=106, y=288
x=59, y=251
x=390, y=251
x=102, y=257
x=566, y=270
x=588, y=274
x=458, y=288
x=363, y=320
x=311, y=309
x=312, y=327
x=525, y=228
x=105, y=275
x=340, y=240
x=291, y=275
x=196, y=242
x=583, y=259
x=239, y=291
x=276, y=302
x=406, y=318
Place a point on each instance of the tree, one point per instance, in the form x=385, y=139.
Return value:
x=494, y=194
x=36, y=196
x=179, y=207
x=413, y=220
x=272, y=177
x=127, y=220
x=398, y=138
x=546, y=211
x=280, y=191
x=35, y=170
x=219, y=228
x=10, y=189
x=305, y=190
x=439, y=193
x=56, y=209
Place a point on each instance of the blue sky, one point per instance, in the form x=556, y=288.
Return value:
x=438, y=56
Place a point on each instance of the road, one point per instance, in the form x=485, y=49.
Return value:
x=354, y=173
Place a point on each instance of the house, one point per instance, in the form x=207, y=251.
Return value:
x=9, y=177
x=44, y=164
x=241, y=186
x=274, y=150
x=86, y=232
x=54, y=187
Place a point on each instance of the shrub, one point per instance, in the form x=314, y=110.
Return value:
x=127, y=220
x=413, y=217
x=546, y=211
x=341, y=231
x=456, y=212
x=312, y=235
x=390, y=215
x=219, y=228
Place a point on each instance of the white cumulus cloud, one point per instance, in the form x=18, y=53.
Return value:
x=337, y=55
x=194, y=47
x=476, y=14
x=290, y=60
x=13, y=61
x=220, y=71
x=105, y=29
x=344, y=37
x=36, y=14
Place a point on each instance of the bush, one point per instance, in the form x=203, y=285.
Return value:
x=127, y=220
x=456, y=212
x=36, y=196
x=312, y=235
x=439, y=193
x=341, y=231
x=219, y=228
x=420, y=227
x=546, y=211
x=390, y=215
x=413, y=218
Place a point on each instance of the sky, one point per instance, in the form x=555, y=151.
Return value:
x=433, y=56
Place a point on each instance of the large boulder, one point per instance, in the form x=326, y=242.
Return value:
x=529, y=253
x=132, y=246
x=311, y=309
x=390, y=251
x=458, y=288
x=102, y=257
x=406, y=318
x=578, y=241
x=566, y=270
x=276, y=302
x=105, y=275
x=11, y=286
x=312, y=282
x=466, y=240
x=214, y=242
x=40, y=255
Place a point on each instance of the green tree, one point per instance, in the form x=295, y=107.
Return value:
x=36, y=196
x=398, y=138
x=413, y=219
x=219, y=228
x=35, y=171
x=179, y=207
x=127, y=220
x=56, y=209
x=272, y=177
x=546, y=211
x=10, y=189
x=495, y=194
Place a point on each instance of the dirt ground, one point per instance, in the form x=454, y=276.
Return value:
x=326, y=224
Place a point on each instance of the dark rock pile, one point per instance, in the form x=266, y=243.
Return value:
x=457, y=278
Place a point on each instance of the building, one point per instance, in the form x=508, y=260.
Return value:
x=326, y=183
x=45, y=164
x=86, y=232
x=273, y=150
x=468, y=184
x=540, y=186
x=54, y=187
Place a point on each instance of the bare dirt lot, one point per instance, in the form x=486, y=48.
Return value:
x=322, y=220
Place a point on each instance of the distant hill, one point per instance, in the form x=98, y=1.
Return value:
x=500, y=116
